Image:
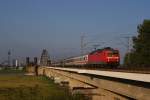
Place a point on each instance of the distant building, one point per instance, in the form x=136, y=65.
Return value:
x=45, y=59
x=27, y=61
x=34, y=62
x=15, y=63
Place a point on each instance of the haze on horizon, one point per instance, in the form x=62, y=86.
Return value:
x=28, y=26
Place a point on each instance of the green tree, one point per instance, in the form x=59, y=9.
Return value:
x=140, y=56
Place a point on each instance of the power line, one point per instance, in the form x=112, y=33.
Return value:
x=95, y=46
x=84, y=44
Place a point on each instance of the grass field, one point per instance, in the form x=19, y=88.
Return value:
x=20, y=87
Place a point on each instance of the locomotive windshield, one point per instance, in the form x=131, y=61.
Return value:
x=113, y=54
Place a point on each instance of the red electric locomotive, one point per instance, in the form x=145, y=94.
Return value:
x=106, y=56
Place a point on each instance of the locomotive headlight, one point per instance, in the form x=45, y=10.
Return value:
x=108, y=59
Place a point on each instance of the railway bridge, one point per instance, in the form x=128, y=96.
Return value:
x=101, y=85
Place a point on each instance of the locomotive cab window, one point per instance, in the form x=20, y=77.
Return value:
x=110, y=54
x=115, y=54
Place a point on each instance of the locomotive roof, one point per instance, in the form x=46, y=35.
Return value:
x=100, y=50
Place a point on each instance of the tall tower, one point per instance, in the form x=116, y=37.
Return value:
x=27, y=61
x=82, y=43
x=45, y=59
x=9, y=54
x=35, y=61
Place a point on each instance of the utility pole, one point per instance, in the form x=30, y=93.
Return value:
x=128, y=38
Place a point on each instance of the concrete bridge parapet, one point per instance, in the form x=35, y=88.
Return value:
x=99, y=87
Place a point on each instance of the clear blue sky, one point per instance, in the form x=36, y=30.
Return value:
x=28, y=26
